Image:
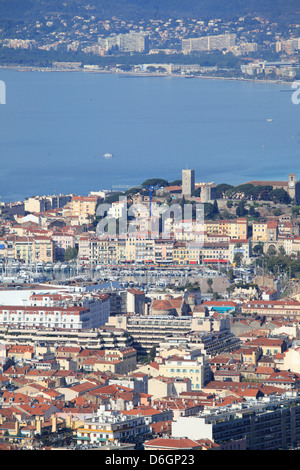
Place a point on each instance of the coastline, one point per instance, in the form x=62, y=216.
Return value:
x=141, y=74
x=122, y=81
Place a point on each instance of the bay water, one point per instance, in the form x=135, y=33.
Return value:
x=55, y=128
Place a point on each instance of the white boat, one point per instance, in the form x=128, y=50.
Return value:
x=37, y=277
x=107, y=155
x=23, y=274
x=269, y=119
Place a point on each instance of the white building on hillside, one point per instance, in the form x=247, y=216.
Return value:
x=55, y=309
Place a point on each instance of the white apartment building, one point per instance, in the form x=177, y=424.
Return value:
x=118, y=209
x=111, y=426
x=129, y=42
x=57, y=310
x=208, y=43
x=270, y=423
x=194, y=368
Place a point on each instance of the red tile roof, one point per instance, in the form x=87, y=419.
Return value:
x=172, y=443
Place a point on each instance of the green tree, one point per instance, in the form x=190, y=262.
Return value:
x=258, y=249
x=132, y=191
x=70, y=254
x=241, y=210
x=149, y=357
x=210, y=282
x=125, y=67
x=252, y=212
x=155, y=182
x=221, y=190
x=277, y=211
x=230, y=274
x=152, y=353
x=280, y=195
x=150, y=68
x=215, y=208
x=295, y=210
x=175, y=183
x=237, y=259
x=216, y=296
x=211, y=211
x=196, y=192
x=271, y=250
x=114, y=197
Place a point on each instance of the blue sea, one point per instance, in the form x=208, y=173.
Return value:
x=56, y=126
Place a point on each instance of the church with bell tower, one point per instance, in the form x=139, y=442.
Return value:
x=294, y=188
x=292, y=185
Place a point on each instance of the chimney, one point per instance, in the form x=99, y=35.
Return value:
x=38, y=424
x=69, y=421
x=17, y=427
x=54, y=423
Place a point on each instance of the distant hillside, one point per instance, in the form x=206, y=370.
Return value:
x=282, y=11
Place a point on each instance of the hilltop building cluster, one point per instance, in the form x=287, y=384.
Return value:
x=42, y=229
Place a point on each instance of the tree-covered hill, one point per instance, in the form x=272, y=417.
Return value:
x=281, y=11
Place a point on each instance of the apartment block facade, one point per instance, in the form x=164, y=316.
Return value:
x=269, y=424
x=196, y=369
x=208, y=43
x=82, y=312
x=108, y=426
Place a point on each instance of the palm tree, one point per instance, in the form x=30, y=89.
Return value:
x=209, y=282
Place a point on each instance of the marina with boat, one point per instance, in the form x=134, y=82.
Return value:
x=111, y=277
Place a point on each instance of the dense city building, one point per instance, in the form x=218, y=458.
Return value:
x=162, y=315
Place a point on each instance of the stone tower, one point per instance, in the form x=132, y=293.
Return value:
x=188, y=182
x=292, y=185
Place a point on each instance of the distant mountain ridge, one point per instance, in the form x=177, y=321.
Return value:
x=282, y=11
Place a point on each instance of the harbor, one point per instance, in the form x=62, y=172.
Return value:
x=115, y=277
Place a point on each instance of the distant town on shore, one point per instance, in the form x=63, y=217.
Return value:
x=250, y=46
